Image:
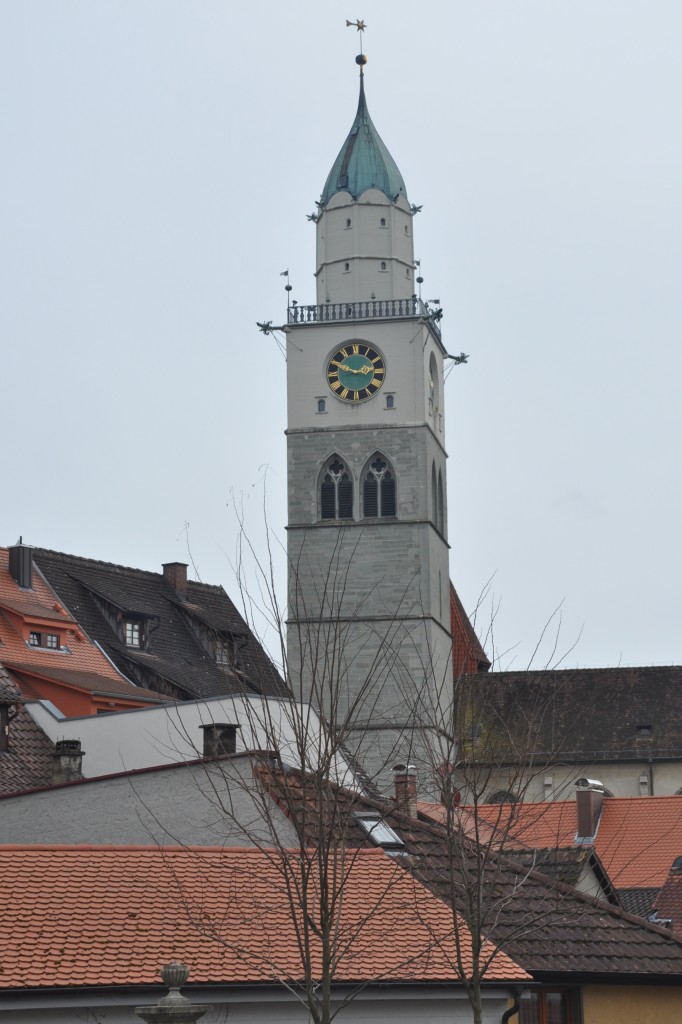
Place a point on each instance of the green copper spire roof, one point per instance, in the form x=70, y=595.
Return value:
x=364, y=162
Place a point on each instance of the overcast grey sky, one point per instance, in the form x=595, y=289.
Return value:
x=158, y=161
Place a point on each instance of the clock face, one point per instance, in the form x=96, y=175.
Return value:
x=355, y=372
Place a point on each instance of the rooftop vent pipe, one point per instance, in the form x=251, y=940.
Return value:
x=589, y=797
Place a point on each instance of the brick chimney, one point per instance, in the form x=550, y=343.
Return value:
x=175, y=574
x=67, y=764
x=589, y=796
x=405, y=780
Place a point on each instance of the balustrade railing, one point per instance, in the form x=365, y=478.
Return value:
x=373, y=309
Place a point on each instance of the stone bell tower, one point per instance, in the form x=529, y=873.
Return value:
x=369, y=628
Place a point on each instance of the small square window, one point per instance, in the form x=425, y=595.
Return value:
x=133, y=634
x=52, y=641
x=34, y=639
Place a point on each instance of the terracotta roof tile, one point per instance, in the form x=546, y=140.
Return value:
x=637, y=840
x=88, y=915
x=83, y=663
x=545, y=926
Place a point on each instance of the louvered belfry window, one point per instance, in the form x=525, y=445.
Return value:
x=378, y=493
x=336, y=492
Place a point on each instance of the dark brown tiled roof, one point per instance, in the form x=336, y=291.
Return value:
x=27, y=762
x=668, y=903
x=588, y=714
x=546, y=927
x=638, y=901
x=175, y=661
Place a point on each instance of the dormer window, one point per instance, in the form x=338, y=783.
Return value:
x=224, y=652
x=133, y=633
x=50, y=641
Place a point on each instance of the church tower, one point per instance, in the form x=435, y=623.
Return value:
x=369, y=600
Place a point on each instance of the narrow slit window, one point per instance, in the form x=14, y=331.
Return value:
x=382, y=265
x=390, y=402
x=321, y=405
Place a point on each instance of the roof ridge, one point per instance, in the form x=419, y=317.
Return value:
x=101, y=563
x=162, y=851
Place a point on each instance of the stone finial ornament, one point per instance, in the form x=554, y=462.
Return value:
x=173, y=1008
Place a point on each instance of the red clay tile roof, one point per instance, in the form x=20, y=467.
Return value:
x=87, y=915
x=549, y=928
x=637, y=840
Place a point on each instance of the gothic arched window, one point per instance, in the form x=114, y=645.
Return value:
x=336, y=491
x=441, y=504
x=434, y=495
x=378, y=490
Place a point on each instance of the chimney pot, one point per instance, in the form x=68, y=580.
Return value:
x=405, y=781
x=67, y=765
x=175, y=574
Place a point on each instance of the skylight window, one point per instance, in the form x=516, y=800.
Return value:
x=380, y=833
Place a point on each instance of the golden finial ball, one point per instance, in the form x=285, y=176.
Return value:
x=361, y=59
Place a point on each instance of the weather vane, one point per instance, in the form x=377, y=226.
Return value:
x=360, y=26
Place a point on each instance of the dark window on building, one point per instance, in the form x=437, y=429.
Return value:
x=378, y=494
x=382, y=265
x=383, y=222
x=390, y=402
x=133, y=634
x=34, y=639
x=336, y=492
x=545, y=1008
x=321, y=405
x=347, y=222
x=52, y=641
x=346, y=266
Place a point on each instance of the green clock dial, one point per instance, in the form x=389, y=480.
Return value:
x=355, y=372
